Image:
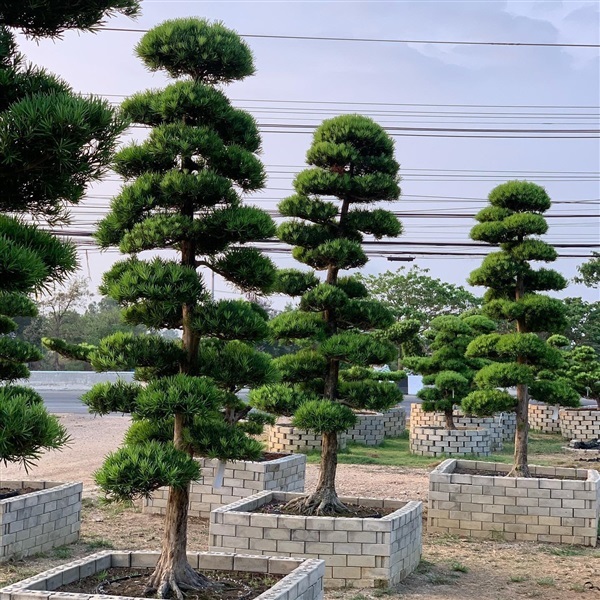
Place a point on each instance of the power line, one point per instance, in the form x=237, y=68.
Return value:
x=383, y=40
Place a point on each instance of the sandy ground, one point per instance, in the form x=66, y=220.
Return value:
x=93, y=437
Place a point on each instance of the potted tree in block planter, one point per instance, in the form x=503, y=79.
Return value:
x=519, y=502
x=53, y=144
x=352, y=160
x=448, y=376
x=182, y=194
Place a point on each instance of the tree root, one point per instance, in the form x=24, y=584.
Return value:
x=167, y=581
x=520, y=471
x=321, y=504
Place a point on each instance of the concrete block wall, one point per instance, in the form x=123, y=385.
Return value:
x=438, y=441
x=241, y=479
x=283, y=437
x=579, y=424
x=537, y=509
x=544, y=418
x=365, y=552
x=369, y=429
x=302, y=578
x=394, y=421
x=502, y=426
x=40, y=520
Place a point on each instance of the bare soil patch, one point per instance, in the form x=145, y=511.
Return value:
x=353, y=510
x=231, y=585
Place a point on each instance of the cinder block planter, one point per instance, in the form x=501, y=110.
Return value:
x=303, y=578
x=283, y=437
x=438, y=441
x=537, y=509
x=241, y=479
x=544, y=418
x=394, y=422
x=369, y=429
x=580, y=423
x=41, y=520
x=365, y=552
x=502, y=426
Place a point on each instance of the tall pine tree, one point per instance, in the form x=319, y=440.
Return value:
x=352, y=160
x=513, y=222
x=183, y=194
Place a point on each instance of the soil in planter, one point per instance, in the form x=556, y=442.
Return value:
x=271, y=456
x=489, y=473
x=277, y=507
x=118, y=581
x=12, y=492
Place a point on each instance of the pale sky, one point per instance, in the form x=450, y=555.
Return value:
x=507, y=88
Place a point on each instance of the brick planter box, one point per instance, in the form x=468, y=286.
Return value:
x=438, y=441
x=369, y=429
x=579, y=424
x=241, y=479
x=537, y=509
x=394, y=422
x=303, y=579
x=357, y=552
x=283, y=437
x=502, y=426
x=544, y=418
x=41, y=520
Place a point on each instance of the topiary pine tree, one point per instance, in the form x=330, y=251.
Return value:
x=351, y=159
x=182, y=195
x=513, y=221
x=52, y=144
x=448, y=373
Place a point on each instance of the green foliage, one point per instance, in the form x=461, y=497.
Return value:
x=27, y=429
x=589, y=272
x=306, y=365
x=370, y=394
x=323, y=416
x=293, y=282
x=234, y=365
x=512, y=222
x=483, y=403
x=73, y=351
x=231, y=320
x=207, y=52
x=135, y=471
x=582, y=371
x=297, y=325
x=582, y=322
x=280, y=398
x=449, y=370
x=504, y=375
x=413, y=294
x=53, y=17
x=107, y=397
x=357, y=349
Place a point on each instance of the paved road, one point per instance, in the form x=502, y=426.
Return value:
x=68, y=401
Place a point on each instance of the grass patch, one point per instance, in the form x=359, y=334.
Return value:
x=63, y=552
x=546, y=582
x=544, y=449
x=97, y=543
x=564, y=551
x=459, y=567
x=518, y=578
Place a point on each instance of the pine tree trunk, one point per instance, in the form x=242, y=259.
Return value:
x=173, y=573
x=521, y=463
x=521, y=466
x=449, y=415
x=324, y=500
